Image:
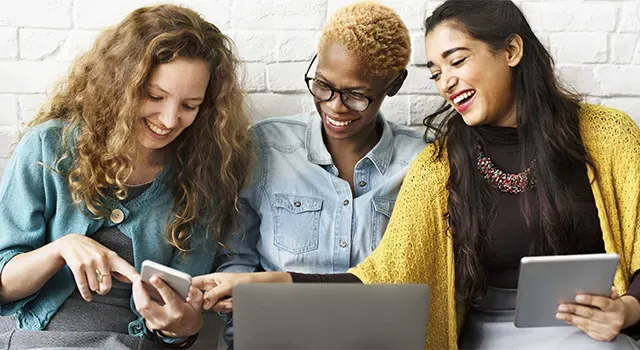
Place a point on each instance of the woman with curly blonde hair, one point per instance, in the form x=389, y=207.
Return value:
x=139, y=155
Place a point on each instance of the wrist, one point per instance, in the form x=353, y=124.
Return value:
x=275, y=277
x=631, y=310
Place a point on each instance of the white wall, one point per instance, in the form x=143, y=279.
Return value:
x=596, y=44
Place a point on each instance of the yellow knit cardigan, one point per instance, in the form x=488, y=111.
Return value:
x=416, y=248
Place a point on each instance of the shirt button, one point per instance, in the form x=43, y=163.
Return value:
x=343, y=244
x=116, y=216
x=362, y=183
x=297, y=204
x=346, y=202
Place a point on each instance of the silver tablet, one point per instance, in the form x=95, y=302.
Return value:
x=547, y=281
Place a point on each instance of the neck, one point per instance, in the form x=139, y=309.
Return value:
x=508, y=119
x=357, y=146
x=147, y=164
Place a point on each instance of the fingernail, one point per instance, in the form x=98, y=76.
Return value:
x=563, y=308
x=559, y=316
x=580, y=298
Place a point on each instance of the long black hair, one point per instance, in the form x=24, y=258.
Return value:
x=548, y=129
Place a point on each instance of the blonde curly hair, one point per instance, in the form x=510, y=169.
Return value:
x=101, y=99
x=374, y=33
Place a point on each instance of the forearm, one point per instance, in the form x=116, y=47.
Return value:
x=272, y=277
x=26, y=273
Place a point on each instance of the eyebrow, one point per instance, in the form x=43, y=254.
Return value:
x=448, y=53
x=165, y=91
x=362, y=87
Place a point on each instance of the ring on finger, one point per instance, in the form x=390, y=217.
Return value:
x=99, y=275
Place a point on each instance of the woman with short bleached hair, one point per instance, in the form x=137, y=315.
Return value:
x=140, y=154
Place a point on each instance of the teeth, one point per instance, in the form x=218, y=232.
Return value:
x=463, y=96
x=156, y=129
x=338, y=123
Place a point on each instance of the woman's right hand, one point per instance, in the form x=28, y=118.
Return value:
x=217, y=287
x=92, y=264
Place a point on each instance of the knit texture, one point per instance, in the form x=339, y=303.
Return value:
x=417, y=249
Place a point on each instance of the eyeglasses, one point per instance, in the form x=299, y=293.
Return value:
x=354, y=101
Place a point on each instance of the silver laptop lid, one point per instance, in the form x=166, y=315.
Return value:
x=330, y=316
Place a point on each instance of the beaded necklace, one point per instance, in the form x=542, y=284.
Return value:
x=505, y=182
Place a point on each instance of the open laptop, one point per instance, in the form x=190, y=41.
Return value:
x=330, y=316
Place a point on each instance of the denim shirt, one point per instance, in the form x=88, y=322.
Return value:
x=297, y=215
x=36, y=208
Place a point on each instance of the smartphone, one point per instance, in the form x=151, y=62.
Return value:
x=177, y=280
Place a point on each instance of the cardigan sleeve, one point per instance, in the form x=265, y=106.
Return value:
x=22, y=206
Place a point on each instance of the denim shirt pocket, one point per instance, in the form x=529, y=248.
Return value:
x=382, y=209
x=296, y=222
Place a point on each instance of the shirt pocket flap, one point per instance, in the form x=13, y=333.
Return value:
x=383, y=206
x=297, y=204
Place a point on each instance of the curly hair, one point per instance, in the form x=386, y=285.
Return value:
x=100, y=100
x=374, y=33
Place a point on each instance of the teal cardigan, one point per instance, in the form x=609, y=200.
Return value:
x=36, y=208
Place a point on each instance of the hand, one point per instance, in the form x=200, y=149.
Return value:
x=602, y=318
x=218, y=287
x=176, y=317
x=92, y=264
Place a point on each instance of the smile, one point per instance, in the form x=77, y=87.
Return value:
x=463, y=97
x=337, y=122
x=157, y=129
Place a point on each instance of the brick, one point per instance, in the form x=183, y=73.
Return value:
x=264, y=105
x=8, y=138
x=623, y=46
x=36, y=13
x=30, y=106
x=630, y=105
x=422, y=106
x=3, y=165
x=78, y=42
x=571, y=15
x=418, y=81
x=418, y=53
x=580, y=78
x=91, y=14
x=579, y=47
x=416, y=12
x=255, y=46
x=630, y=17
x=8, y=43
x=396, y=109
x=278, y=14
x=286, y=77
x=39, y=44
x=9, y=110
x=255, y=78
x=618, y=80
x=296, y=45
x=30, y=77
x=214, y=11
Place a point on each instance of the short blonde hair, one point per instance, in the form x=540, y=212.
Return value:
x=374, y=33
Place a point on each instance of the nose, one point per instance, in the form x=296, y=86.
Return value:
x=170, y=115
x=449, y=81
x=336, y=105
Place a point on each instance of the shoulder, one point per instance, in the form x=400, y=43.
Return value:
x=43, y=139
x=429, y=171
x=282, y=130
x=608, y=129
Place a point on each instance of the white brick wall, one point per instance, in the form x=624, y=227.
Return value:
x=596, y=44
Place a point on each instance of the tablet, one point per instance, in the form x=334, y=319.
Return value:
x=547, y=281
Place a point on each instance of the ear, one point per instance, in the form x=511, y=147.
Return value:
x=398, y=84
x=515, y=50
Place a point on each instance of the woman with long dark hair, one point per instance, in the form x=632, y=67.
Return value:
x=521, y=167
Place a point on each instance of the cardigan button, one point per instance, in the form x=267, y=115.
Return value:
x=117, y=216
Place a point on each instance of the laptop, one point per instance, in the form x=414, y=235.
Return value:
x=330, y=316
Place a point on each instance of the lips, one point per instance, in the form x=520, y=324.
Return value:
x=462, y=96
x=157, y=129
x=337, y=123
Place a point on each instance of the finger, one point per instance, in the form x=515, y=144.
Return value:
x=224, y=306
x=602, y=303
x=580, y=310
x=104, y=280
x=81, y=282
x=168, y=295
x=143, y=302
x=92, y=278
x=214, y=295
x=195, y=298
x=204, y=282
x=614, y=293
x=123, y=268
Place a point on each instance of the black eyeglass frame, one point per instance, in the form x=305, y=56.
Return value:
x=334, y=90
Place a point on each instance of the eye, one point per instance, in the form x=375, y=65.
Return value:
x=190, y=108
x=434, y=76
x=154, y=98
x=458, y=62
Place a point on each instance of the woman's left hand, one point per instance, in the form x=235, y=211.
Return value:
x=177, y=317
x=602, y=318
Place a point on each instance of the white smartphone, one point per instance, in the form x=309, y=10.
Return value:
x=177, y=280
x=547, y=281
